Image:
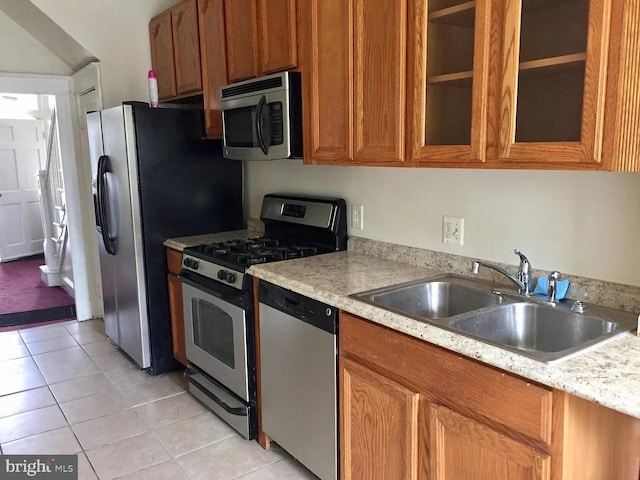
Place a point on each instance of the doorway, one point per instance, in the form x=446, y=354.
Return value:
x=68, y=92
x=33, y=234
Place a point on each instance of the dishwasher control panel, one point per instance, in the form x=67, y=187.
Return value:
x=303, y=308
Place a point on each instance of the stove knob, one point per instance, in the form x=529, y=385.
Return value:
x=231, y=277
x=186, y=262
x=222, y=274
x=194, y=264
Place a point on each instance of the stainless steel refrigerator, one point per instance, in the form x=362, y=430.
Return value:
x=153, y=178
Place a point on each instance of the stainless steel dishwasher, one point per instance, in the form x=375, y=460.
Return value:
x=298, y=358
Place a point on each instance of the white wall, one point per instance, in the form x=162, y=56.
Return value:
x=117, y=33
x=21, y=53
x=583, y=223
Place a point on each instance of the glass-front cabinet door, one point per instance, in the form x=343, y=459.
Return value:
x=552, y=66
x=447, y=84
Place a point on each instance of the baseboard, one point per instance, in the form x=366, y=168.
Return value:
x=67, y=286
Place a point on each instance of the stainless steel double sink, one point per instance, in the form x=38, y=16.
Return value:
x=525, y=325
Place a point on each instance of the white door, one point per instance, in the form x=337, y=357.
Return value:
x=22, y=154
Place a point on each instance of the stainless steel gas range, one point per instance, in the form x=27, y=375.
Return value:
x=218, y=299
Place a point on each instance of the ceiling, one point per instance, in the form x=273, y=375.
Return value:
x=47, y=32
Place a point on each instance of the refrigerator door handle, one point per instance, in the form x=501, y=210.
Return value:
x=103, y=169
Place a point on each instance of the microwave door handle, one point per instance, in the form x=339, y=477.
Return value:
x=259, y=108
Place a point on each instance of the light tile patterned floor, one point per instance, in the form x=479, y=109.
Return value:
x=64, y=389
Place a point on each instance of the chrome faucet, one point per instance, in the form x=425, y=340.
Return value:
x=552, y=286
x=523, y=280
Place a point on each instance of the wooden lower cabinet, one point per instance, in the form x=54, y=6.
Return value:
x=464, y=448
x=366, y=396
x=411, y=410
x=174, y=263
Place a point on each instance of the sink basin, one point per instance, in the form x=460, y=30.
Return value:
x=439, y=297
x=538, y=331
x=526, y=325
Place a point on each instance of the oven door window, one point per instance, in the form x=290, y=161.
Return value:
x=213, y=331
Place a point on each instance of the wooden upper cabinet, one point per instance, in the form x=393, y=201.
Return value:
x=175, y=50
x=242, y=39
x=326, y=62
x=448, y=51
x=551, y=73
x=184, y=20
x=353, y=59
x=160, y=33
x=277, y=40
x=214, y=62
x=381, y=416
x=261, y=37
x=379, y=73
x=462, y=448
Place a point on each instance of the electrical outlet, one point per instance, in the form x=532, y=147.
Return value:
x=357, y=219
x=452, y=230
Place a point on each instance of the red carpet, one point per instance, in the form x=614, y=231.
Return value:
x=21, y=288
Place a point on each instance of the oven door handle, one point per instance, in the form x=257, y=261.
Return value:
x=233, y=297
x=232, y=410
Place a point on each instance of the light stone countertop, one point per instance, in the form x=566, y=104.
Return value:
x=608, y=374
x=181, y=243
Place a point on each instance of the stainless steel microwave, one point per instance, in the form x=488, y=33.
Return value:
x=262, y=118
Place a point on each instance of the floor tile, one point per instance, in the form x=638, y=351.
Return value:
x=178, y=376
x=58, y=343
x=127, y=456
x=10, y=338
x=25, y=401
x=61, y=441
x=40, y=334
x=170, y=470
x=109, y=429
x=80, y=387
x=31, y=423
x=73, y=354
x=169, y=410
x=127, y=375
x=86, y=326
x=16, y=365
x=99, y=348
x=193, y=433
x=85, y=470
x=104, y=403
x=65, y=364
x=11, y=351
x=228, y=459
x=287, y=469
x=89, y=336
x=111, y=360
x=19, y=375
x=153, y=389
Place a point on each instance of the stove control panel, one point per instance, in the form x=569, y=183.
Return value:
x=226, y=276
x=213, y=271
x=191, y=263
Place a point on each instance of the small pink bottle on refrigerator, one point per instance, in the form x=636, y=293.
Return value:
x=153, y=89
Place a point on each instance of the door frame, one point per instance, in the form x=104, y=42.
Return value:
x=77, y=180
